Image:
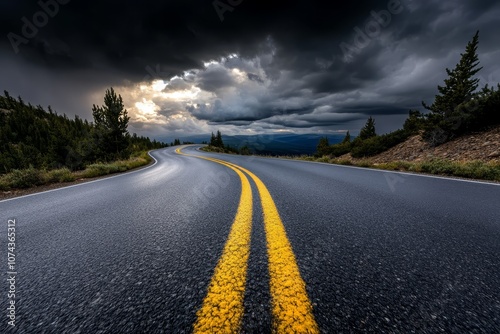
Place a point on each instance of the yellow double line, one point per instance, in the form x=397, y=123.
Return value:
x=222, y=309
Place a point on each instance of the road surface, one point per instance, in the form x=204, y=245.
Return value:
x=327, y=248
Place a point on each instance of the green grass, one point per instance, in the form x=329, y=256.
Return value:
x=31, y=177
x=323, y=159
x=471, y=169
x=101, y=169
x=212, y=149
x=59, y=175
x=24, y=178
x=226, y=149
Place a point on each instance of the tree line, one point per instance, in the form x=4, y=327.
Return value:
x=216, y=144
x=459, y=108
x=31, y=136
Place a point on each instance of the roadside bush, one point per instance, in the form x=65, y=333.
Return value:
x=212, y=149
x=3, y=184
x=474, y=169
x=59, y=175
x=364, y=163
x=340, y=149
x=438, y=167
x=25, y=178
x=245, y=150
x=375, y=145
x=323, y=159
x=367, y=147
x=345, y=162
x=22, y=178
x=479, y=170
x=95, y=170
x=395, y=165
x=137, y=162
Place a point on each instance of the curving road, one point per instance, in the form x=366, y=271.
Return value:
x=377, y=251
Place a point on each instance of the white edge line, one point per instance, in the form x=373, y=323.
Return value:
x=383, y=170
x=404, y=173
x=84, y=183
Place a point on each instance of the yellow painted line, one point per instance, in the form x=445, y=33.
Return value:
x=292, y=310
x=291, y=307
x=222, y=309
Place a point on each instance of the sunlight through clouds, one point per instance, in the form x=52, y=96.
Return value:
x=146, y=108
x=240, y=95
x=158, y=85
x=260, y=76
x=185, y=95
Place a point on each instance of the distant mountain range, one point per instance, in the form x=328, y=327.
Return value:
x=271, y=144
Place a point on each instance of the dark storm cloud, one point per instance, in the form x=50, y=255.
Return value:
x=312, y=120
x=177, y=84
x=176, y=34
x=254, y=77
x=214, y=78
x=299, y=47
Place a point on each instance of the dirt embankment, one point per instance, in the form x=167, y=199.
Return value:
x=484, y=146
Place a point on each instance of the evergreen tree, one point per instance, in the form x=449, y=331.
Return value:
x=368, y=130
x=323, y=146
x=414, y=122
x=112, y=119
x=33, y=137
x=213, y=140
x=245, y=150
x=347, y=138
x=218, y=140
x=459, y=108
x=460, y=85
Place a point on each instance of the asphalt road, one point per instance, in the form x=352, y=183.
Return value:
x=377, y=251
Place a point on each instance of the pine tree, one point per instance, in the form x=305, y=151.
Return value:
x=112, y=119
x=460, y=85
x=368, y=130
x=323, y=146
x=347, y=138
x=458, y=108
x=212, y=140
x=414, y=122
x=218, y=140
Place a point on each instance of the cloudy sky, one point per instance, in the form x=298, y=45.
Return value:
x=245, y=67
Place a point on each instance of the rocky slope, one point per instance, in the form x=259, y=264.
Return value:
x=484, y=146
